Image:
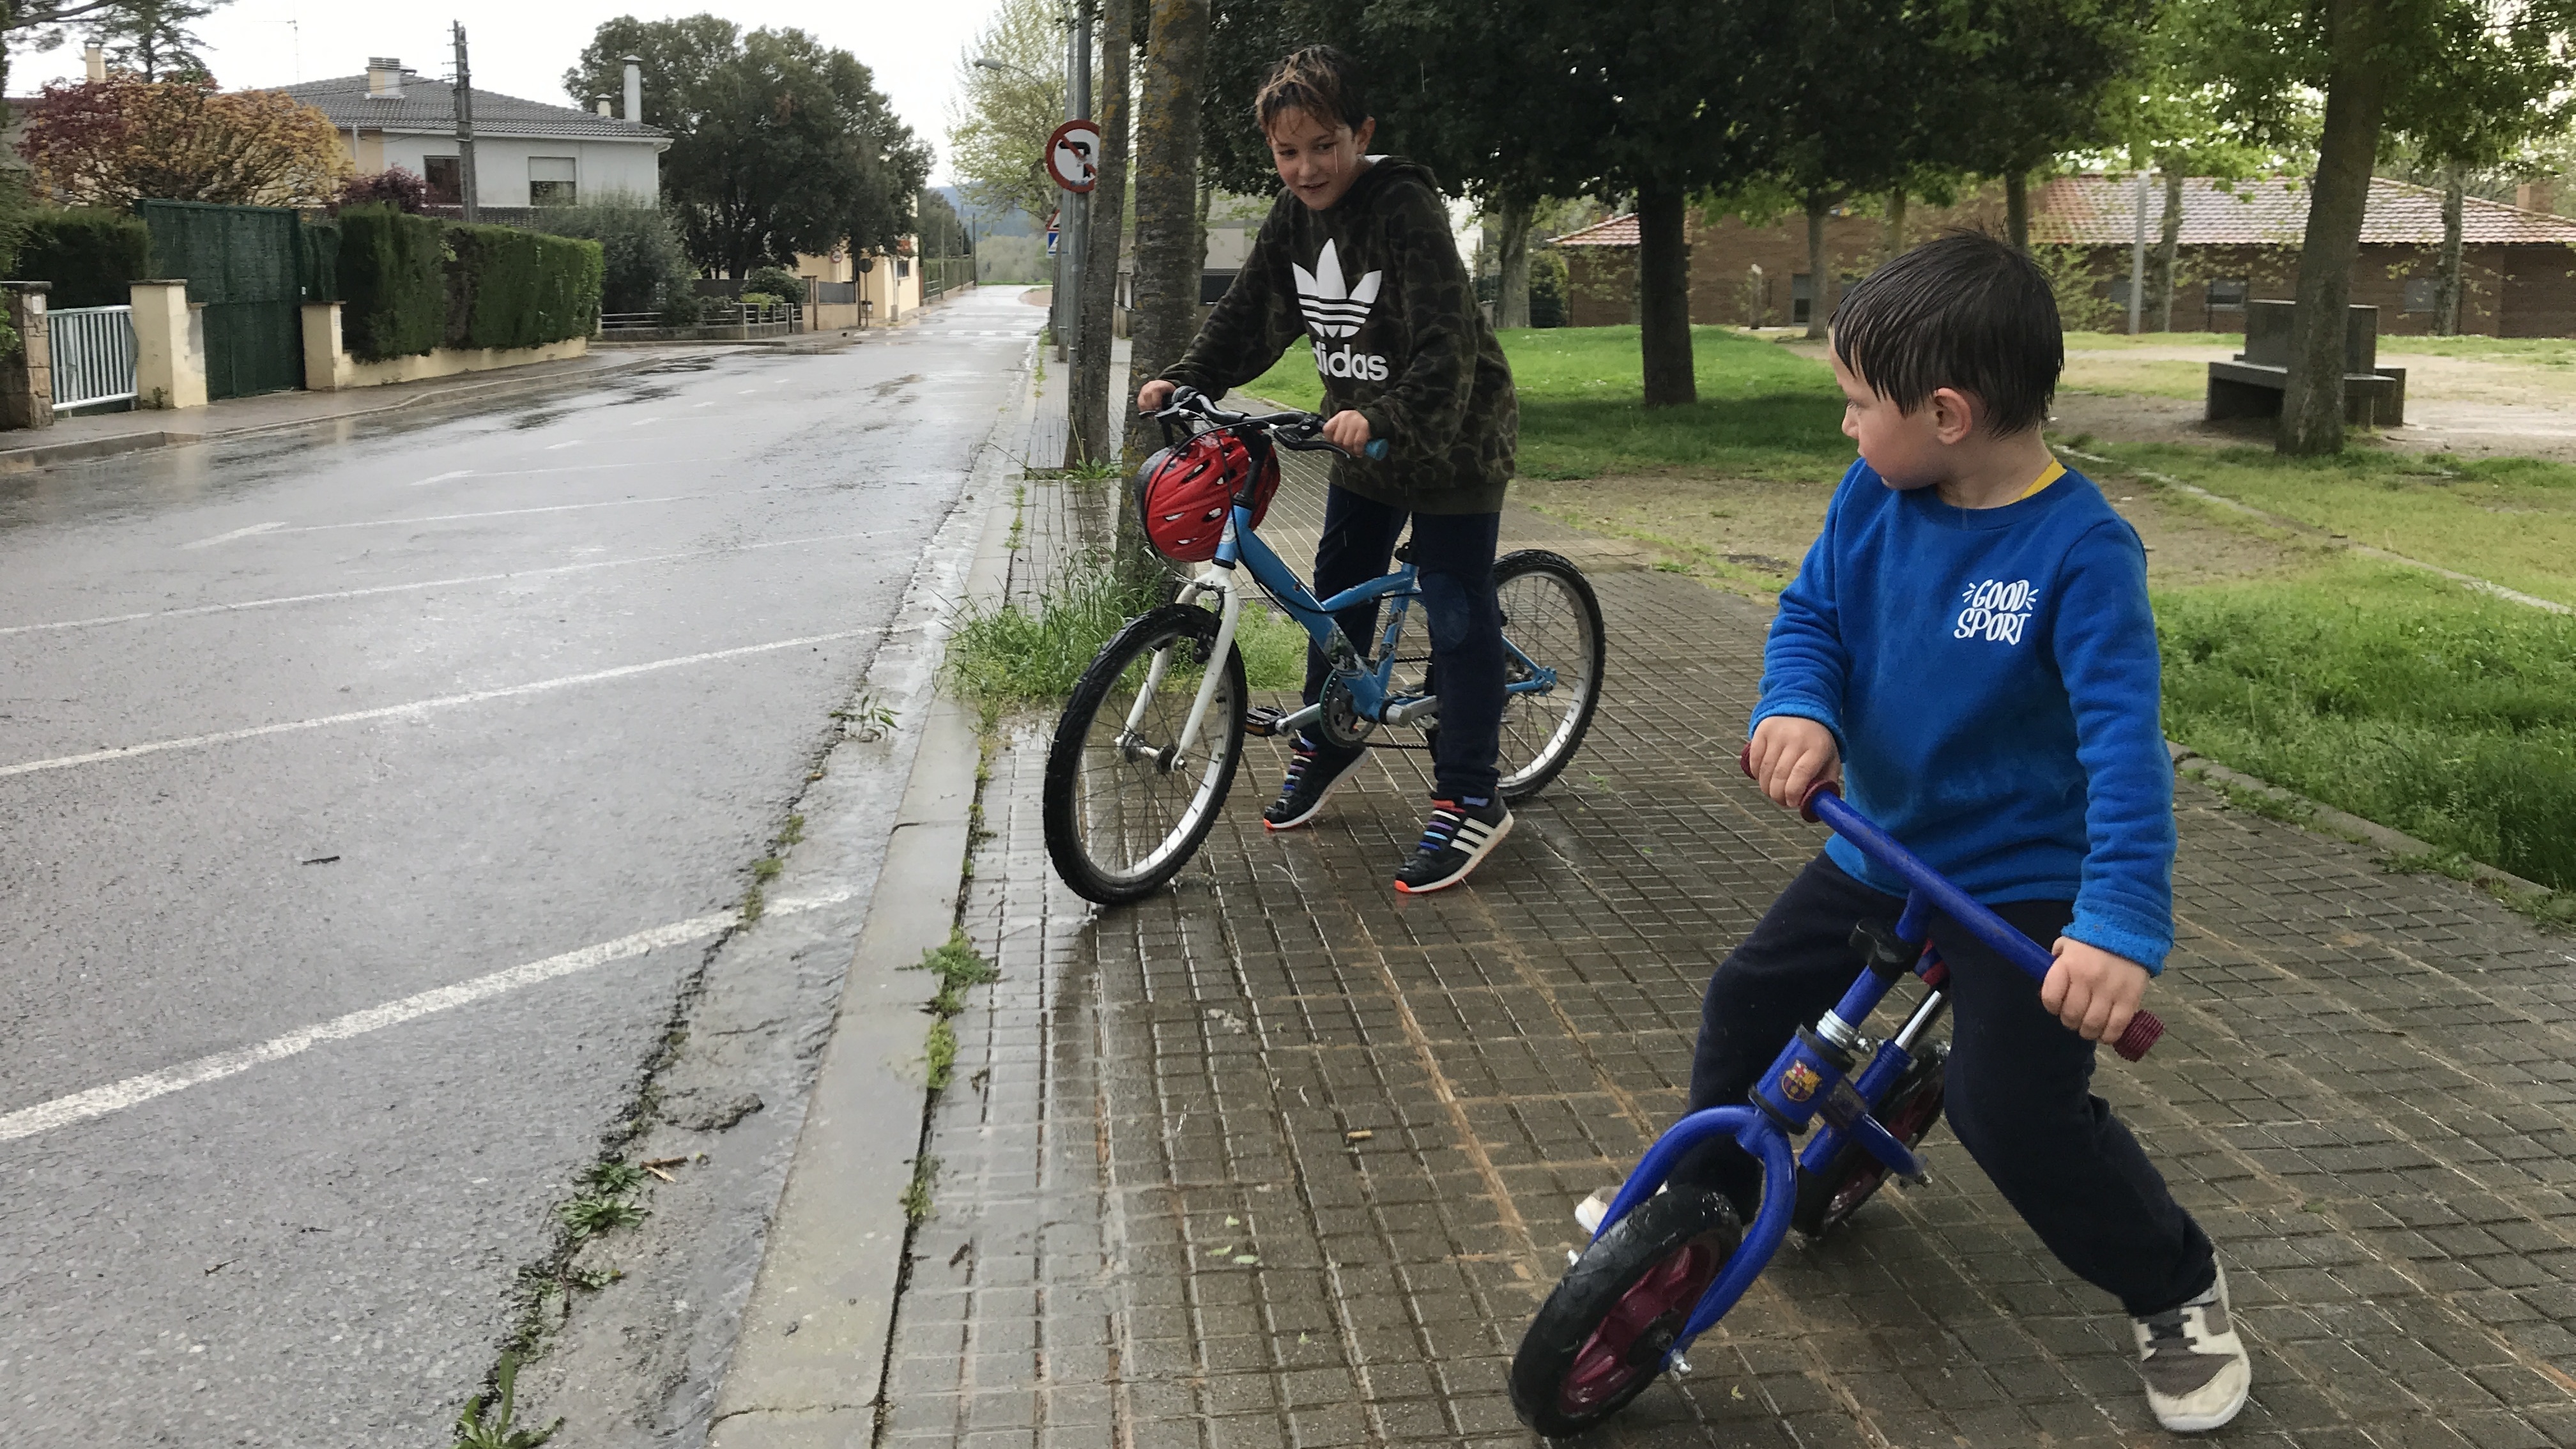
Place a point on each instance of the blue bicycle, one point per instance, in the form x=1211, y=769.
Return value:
x=1666, y=1265
x=1148, y=745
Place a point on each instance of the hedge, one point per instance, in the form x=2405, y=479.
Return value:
x=393, y=285
x=513, y=288
x=89, y=255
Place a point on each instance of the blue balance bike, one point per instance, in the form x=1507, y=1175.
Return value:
x=1665, y=1266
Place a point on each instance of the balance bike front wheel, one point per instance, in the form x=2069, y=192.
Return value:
x=1601, y=1337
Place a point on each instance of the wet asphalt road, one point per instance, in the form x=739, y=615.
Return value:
x=591, y=641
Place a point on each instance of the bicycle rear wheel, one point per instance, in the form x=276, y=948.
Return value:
x=1551, y=616
x=1827, y=1199
x=1124, y=809
x=1601, y=1337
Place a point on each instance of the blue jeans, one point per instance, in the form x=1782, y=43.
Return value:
x=1454, y=556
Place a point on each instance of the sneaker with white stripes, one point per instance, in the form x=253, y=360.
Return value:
x=1455, y=840
x=2197, y=1372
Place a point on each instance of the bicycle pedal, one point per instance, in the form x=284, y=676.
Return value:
x=1262, y=721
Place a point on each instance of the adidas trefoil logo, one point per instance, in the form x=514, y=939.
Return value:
x=1332, y=309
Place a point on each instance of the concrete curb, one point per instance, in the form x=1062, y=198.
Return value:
x=2338, y=822
x=809, y=1363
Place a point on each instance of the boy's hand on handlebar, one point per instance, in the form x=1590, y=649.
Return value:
x=1154, y=396
x=1347, y=430
x=1789, y=754
x=2091, y=990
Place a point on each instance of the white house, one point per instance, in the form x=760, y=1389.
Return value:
x=526, y=153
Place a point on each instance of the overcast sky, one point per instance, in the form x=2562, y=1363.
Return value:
x=522, y=47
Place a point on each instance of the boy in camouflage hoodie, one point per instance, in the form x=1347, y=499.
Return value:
x=1357, y=256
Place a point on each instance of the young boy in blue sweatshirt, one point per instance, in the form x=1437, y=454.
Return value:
x=1968, y=649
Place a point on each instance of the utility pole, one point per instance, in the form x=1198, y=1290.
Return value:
x=465, y=128
x=1077, y=207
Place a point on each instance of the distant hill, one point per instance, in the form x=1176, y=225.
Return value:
x=1009, y=221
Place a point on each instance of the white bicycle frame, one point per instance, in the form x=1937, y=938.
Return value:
x=1229, y=610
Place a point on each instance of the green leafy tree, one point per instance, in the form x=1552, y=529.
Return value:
x=2493, y=97
x=2018, y=83
x=780, y=144
x=997, y=132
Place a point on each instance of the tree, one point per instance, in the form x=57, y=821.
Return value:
x=998, y=132
x=2025, y=81
x=936, y=222
x=1169, y=245
x=2484, y=100
x=780, y=144
x=151, y=38
x=120, y=140
x=41, y=25
x=2383, y=65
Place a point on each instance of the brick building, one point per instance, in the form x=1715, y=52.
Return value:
x=2238, y=241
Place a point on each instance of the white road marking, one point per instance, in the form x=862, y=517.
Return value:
x=418, y=706
x=443, y=477
x=614, y=563
x=432, y=518
x=133, y=1091
x=236, y=533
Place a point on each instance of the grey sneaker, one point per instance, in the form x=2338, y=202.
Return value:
x=2195, y=1366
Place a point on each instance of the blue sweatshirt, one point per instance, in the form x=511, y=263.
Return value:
x=1991, y=677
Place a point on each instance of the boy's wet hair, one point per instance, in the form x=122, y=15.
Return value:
x=1966, y=311
x=1319, y=80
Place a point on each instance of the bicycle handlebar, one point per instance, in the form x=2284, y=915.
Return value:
x=1824, y=803
x=1293, y=430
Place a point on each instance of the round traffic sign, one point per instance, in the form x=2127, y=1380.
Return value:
x=1073, y=156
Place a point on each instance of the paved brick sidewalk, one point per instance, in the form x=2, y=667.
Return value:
x=1154, y=1228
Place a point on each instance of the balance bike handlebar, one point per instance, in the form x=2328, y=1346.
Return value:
x=1824, y=803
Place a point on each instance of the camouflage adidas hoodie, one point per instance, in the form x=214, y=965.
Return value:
x=1376, y=287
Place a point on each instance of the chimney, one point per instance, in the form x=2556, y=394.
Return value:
x=384, y=77
x=601, y=102
x=94, y=60
x=2536, y=196
x=635, y=88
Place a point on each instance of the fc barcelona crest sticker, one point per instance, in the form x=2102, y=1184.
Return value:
x=1799, y=1082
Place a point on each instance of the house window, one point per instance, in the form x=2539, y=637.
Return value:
x=1802, y=298
x=2419, y=293
x=2228, y=293
x=550, y=181
x=903, y=267
x=446, y=178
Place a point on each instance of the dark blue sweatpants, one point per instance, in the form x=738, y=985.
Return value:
x=1454, y=555
x=2018, y=1094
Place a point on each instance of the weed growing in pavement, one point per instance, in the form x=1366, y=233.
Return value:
x=613, y=1177
x=1017, y=656
x=2555, y=909
x=595, y=1213
x=958, y=965
x=766, y=869
x=916, y=1194
x=866, y=721
x=2288, y=810
x=793, y=831
x=500, y=1430
x=753, y=903
x=940, y=1052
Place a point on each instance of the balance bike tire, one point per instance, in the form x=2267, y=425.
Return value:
x=1601, y=1337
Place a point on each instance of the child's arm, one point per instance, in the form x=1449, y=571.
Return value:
x=1423, y=407
x=2104, y=643
x=1251, y=325
x=1797, y=731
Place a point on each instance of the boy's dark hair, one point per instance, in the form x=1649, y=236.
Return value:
x=1966, y=311
x=1319, y=80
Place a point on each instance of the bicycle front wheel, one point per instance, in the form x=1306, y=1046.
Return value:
x=1552, y=619
x=1125, y=806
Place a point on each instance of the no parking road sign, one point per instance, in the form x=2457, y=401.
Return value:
x=1073, y=156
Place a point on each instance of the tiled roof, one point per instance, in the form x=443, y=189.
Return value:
x=428, y=105
x=2103, y=211
x=1618, y=231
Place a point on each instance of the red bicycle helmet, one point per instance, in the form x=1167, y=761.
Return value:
x=1190, y=488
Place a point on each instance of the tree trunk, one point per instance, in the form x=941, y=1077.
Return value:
x=1896, y=223
x=2446, y=295
x=1820, y=287
x=2168, y=250
x=2356, y=92
x=1511, y=276
x=1663, y=295
x=1168, y=244
x=2017, y=210
x=1093, y=438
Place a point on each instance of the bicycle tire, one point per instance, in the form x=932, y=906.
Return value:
x=1601, y=1337
x=1827, y=1199
x=1092, y=854
x=1559, y=719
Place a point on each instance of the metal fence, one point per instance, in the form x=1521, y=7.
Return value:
x=93, y=355
x=717, y=322
x=944, y=274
